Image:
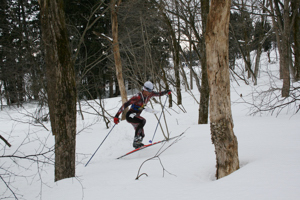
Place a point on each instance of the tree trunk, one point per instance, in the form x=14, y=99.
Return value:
x=165, y=80
x=204, y=91
x=111, y=84
x=296, y=31
x=286, y=51
x=114, y=21
x=176, y=70
x=177, y=63
x=276, y=28
x=175, y=50
x=248, y=57
x=61, y=87
x=259, y=48
x=283, y=24
x=221, y=122
x=257, y=62
x=190, y=62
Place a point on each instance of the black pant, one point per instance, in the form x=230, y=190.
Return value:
x=137, y=122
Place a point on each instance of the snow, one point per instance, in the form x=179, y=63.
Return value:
x=268, y=147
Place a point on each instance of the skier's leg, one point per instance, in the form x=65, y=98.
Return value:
x=140, y=128
x=138, y=123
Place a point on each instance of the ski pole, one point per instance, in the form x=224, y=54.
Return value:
x=100, y=145
x=150, y=141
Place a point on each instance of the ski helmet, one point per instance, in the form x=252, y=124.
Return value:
x=148, y=86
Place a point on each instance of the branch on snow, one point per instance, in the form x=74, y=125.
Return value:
x=160, y=151
x=4, y=140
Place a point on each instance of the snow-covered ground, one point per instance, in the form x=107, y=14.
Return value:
x=268, y=147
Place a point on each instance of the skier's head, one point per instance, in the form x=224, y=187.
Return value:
x=148, y=86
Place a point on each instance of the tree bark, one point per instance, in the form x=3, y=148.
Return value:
x=259, y=48
x=221, y=122
x=116, y=50
x=297, y=40
x=286, y=51
x=61, y=87
x=257, y=62
x=204, y=91
x=176, y=57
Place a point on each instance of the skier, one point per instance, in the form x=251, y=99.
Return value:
x=138, y=102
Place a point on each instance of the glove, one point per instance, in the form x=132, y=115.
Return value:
x=169, y=92
x=116, y=120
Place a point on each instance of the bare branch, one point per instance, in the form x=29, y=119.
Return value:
x=156, y=156
x=4, y=140
x=8, y=187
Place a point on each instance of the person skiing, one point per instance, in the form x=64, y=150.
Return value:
x=138, y=102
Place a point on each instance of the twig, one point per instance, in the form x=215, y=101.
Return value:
x=140, y=176
x=9, y=187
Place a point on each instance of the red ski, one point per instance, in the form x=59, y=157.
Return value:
x=148, y=145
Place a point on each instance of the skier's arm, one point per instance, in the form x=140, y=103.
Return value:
x=157, y=94
x=126, y=104
x=123, y=107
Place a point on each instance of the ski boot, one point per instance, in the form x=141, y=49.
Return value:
x=137, y=142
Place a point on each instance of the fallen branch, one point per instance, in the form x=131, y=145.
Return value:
x=4, y=140
x=156, y=156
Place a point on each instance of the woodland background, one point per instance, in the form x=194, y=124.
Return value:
x=150, y=34
x=154, y=38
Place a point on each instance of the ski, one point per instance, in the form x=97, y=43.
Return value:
x=148, y=145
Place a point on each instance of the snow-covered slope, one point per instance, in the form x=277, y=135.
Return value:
x=269, y=149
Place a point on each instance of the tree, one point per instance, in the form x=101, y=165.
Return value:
x=192, y=27
x=296, y=37
x=174, y=38
x=61, y=88
x=261, y=33
x=241, y=32
x=90, y=52
x=142, y=35
x=176, y=55
x=204, y=92
x=283, y=23
x=19, y=43
x=114, y=4
x=221, y=122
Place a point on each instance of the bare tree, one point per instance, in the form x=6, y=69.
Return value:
x=114, y=4
x=221, y=122
x=261, y=37
x=283, y=23
x=61, y=88
x=188, y=14
x=241, y=31
x=296, y=30
x=204, y=97
x=174, y=39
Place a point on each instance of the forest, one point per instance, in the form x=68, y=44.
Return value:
x=63, y=55
x=153, y=36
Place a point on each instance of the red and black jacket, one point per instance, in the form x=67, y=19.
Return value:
x=138, y=102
